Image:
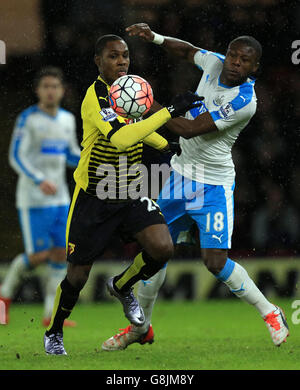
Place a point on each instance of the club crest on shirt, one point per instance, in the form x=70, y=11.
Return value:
x=71, y=248
x=108, y=114
x=218, y=101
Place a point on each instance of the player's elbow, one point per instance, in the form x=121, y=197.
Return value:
x=187, y=135
x=121, y=143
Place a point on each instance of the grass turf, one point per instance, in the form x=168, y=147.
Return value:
x=206, y=335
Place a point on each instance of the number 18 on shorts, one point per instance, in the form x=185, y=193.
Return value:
x=211, y=208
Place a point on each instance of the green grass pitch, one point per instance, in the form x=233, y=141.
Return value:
x=205, y=335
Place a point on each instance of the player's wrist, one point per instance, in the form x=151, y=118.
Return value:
x=158, y=39
x=38, y=182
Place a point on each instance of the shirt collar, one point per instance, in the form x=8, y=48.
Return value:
x=103, y=81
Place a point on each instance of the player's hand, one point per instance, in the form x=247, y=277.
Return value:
x=172, y=147
x=182, y=103
x=141, y=30
x=48, y=188
x=175, y=148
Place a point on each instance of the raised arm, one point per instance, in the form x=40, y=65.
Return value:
x=174, y=46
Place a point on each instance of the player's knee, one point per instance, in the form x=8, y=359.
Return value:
x=214, y=259
x=78, y=275
x=167, y=252
x=163, y=251
x=58, y=255
x=38, y=258
x=77, y=281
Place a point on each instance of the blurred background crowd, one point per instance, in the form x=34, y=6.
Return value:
x=266, y=155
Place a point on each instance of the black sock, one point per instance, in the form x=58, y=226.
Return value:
x=65, y=299
x=142, y=268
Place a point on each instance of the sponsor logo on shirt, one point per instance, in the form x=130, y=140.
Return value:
x=108, y=114
x=53, y=146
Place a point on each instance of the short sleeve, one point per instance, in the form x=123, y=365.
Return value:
x=237, y=111
x=204, y=58
x=101, y=115
x=229, y=115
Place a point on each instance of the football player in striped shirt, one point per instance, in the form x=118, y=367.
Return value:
x=205, y=166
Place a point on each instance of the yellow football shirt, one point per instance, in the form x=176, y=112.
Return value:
x=100, y=157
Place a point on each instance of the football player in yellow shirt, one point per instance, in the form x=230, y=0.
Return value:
x=92, y=220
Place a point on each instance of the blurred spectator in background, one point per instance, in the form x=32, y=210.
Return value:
x=43, y=143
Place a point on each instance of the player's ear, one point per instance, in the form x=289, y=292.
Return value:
x=97, y=60
x=256, y=67
x=256, y=71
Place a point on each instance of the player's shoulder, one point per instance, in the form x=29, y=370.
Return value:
x=245, y=98
x=24, y=115
x=96, y=96
x=66, y=113
x=212, y=56
x=241, y=103
x=216, y=57
x=97, y=89
x=95, y=92
x=209, y=61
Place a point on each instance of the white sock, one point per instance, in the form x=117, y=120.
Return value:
x=16, y=271
x=55, y=274
x=243, y=287
x=147, y=294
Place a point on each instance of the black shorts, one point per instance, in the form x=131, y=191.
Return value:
x=92, y=222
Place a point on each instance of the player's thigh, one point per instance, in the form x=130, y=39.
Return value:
x=91, y=224
x=156, y=241
x=172, y=203
x=182, y=224
x=35, y=226
x=215, y=218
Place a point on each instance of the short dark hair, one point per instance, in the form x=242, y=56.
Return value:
x=251, y=42
x=48, y=71
x=102, y=41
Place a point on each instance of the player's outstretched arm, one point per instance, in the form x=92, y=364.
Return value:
x=126, y=136
x=156, y=141
x=187, y=128
x=177, y=47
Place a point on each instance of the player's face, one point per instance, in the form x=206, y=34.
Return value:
x=240, y=62
x=114, y=61
x=50, y=91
